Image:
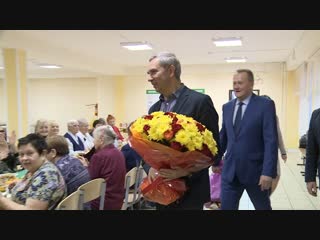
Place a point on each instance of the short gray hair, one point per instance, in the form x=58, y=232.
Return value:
x=83, y=121
x=107, y=132
x=71, y=122
x=166, y=59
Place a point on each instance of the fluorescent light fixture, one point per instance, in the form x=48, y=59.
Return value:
x=227, y=42
x=136, y=46
x=49, y=66
x=1, y=67
x=236, y=59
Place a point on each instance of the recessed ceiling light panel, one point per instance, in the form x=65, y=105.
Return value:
x=235, y=59
x=51, y=66
x=227, y=42
x=136, y=46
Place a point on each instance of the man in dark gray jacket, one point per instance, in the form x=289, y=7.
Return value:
x=313, y=153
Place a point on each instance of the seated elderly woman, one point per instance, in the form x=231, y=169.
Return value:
x=43, y=187
x=42, y=128
x=74, y=173
x=111, y=120
x=53, y=128
x=108, y=163
x=97, y=123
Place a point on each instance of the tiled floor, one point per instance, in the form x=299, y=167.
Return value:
x=291, y=193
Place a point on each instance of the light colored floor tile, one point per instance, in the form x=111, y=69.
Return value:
x=281, y=207
x=281, y=202
x=279, y=197
x=291, y=193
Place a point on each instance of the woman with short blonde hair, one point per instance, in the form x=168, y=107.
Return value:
x=42, y=128
x=53, y=128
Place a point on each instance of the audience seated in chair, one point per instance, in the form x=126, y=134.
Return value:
x=42, y=128
x=53, y=128
x=73, y=171
x=97, y=123
x=75, y=144
x=84, y=135
x=107, y=163
x=43, y=187
x=111, y=120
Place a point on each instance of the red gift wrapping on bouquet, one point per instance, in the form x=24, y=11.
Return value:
x=163, y=192
x=160, y=156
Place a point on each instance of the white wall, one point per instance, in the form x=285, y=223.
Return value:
x=61, y=100
x=308, y=76
x=135, y=104
x=316, y=84
x=301, y=73
x=106, y=95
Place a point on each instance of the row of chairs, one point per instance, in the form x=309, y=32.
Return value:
x=303, y=158
x=133, y=179
x=84, y=194
x=97, y=187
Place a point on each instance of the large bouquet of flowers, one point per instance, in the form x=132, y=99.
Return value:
x=169, y=140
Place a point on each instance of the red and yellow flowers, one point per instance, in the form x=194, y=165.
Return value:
x=176, y=131
x=169, y=140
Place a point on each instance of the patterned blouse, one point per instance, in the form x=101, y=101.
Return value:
x=46, y=184
x=73, y=172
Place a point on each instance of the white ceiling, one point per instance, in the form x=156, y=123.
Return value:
x=98, y=52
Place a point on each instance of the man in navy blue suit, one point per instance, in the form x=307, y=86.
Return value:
x=249, y=140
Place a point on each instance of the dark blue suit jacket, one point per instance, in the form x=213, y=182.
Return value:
x=200, y=107
x=313, y=148
x=133, y=159
x=254, y=152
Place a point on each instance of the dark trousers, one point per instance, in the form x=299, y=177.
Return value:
x=231, y=193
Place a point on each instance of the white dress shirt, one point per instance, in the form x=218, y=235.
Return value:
x=244, y=107
x=87, y=140
x=70, y=145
